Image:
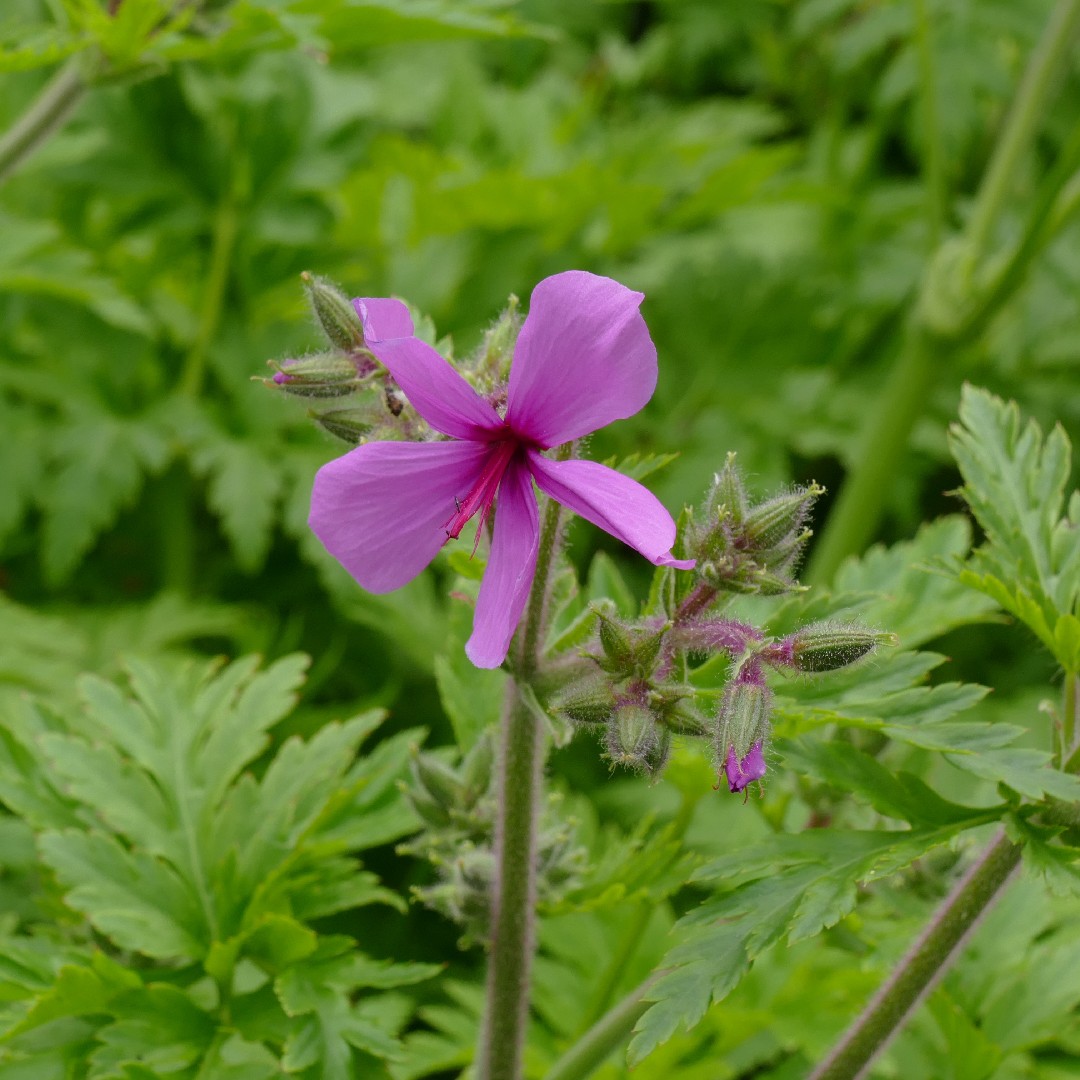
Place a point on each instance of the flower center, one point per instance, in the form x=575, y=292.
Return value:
x=482, y=494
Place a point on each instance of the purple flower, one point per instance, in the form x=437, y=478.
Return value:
x=583, y=359
x=741, y=773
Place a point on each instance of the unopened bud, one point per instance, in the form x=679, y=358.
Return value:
x=629, y=650
x=632, y=736
x=323, y=375
x=476, y=769
x=349, y=425
x=777, y=521
x=499, y=341
x=437, y=780
x=743, y=729
x=826, y=646
x=727, y=499
x=588, y=701
x=334, y=312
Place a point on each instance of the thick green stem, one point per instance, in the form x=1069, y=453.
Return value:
x=47, y=113
x=513, y=893
x=603, y=1038
x=1024, y=118
x=854, y=517
x=513, y=900
x=928, y=959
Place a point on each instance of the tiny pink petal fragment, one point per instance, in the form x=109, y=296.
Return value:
x=383, y=318
x=381, y=510
x=510, y=569
x=742, y=773
x=613, y=502
x=435, y=390
x=583, y=359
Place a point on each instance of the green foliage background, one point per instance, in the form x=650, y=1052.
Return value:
x=759, y=170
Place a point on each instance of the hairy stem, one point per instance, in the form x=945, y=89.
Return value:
x=513, y=894
x=520, y=767
x=603, y=1038
x=928, y=959
x=47, y=113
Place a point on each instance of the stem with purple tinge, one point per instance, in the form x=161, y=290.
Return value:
x=519, y=793
x=927, y=960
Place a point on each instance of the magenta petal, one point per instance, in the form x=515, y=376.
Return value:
x=437, y=392
x=583, y=359
x=381, y=509
x=510, y=569
x=742, y=773
x=383, y=318
x=614, y=502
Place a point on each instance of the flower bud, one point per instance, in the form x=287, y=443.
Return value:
x=498, y=348
x=590, y=700
x=436, y=780
x=727, y=499
x=323, y=375
x=476, y=769
x=632, y=736
x=743, y=728
x=349, y=425
x=774, y=528
x=628, y=650
x=334, y=312
x=826, y=646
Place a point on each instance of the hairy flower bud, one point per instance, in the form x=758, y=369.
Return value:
x=349, y=425
x=476, y=769
x=629, y=650
x=727, y=499
x=334, y=313
x=498, y=348
x=826, y=646
x=589, y=700
x=632, y=737
x=774, y=530
x=743, y=728
x=323, y=375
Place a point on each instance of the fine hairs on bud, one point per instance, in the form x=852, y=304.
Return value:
x=829, y=645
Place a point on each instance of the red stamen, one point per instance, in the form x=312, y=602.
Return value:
x=482, y=495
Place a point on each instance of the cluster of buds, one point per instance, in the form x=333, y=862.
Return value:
x=366, y=401
x=632, y=681
x=457, y=808
x=751, y=548
x=375, y=407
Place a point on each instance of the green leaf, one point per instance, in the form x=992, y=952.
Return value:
x=788, y=886
x=243, y=490
x=1015, y=482
x=472, y=698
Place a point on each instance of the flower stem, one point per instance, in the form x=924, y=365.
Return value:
x=513, y=893
x=927, y=960
x=513, y=900
x=47, y=113
x=603, y=1038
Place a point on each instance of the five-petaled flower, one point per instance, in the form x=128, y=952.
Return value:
x=583, y=359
